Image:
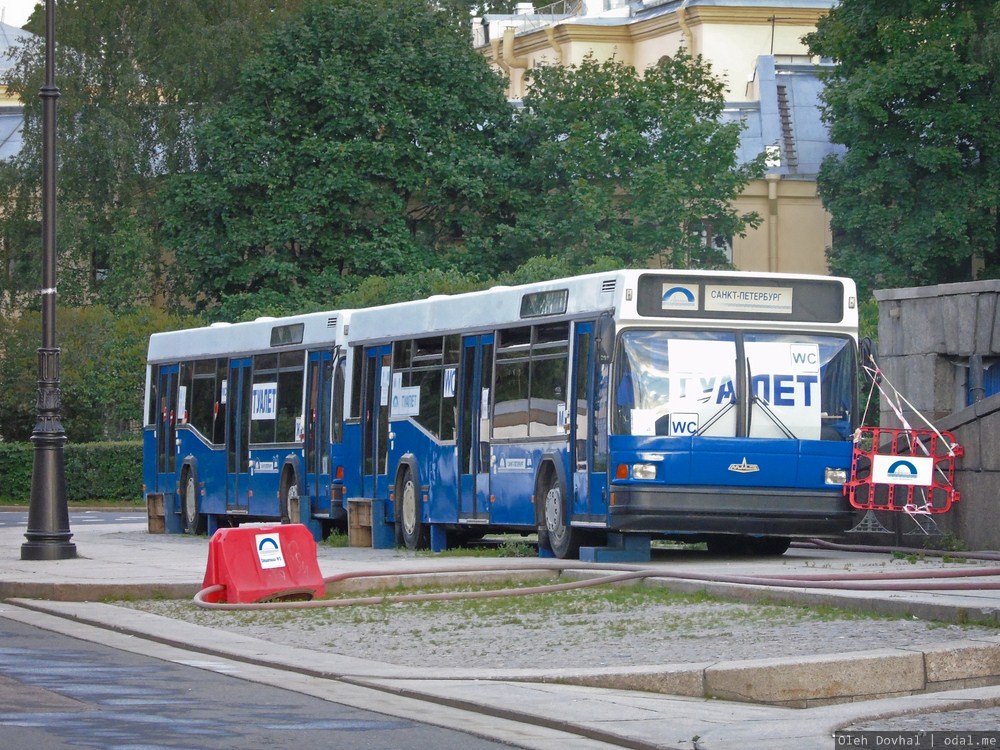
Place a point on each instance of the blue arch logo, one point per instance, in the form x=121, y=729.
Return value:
x=902, y=468
x=679, y=297
x=269, y=551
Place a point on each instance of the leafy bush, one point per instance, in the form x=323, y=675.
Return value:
x=94, y=471
x=103, y=366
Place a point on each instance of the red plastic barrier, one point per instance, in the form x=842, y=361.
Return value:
x=268, y=563
x=911, y=471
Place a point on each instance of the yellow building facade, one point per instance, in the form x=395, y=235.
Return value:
x=754, y=48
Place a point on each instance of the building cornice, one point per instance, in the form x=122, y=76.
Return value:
x=633, y=30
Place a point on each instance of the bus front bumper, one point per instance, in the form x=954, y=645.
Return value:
x=758, y=511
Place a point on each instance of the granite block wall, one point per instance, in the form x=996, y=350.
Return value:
x=929, y=338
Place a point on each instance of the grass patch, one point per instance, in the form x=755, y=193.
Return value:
x=337, y=538
x=80, y=504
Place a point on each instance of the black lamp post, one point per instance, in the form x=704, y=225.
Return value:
x=48, y=531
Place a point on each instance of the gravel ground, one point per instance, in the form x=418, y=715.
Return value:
x=598, y=627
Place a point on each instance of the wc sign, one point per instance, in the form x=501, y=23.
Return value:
x=269, y=551
x=682, y=424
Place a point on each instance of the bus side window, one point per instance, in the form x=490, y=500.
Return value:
x=219, y=417
x=357, y=383
x=337, y=419
x=154, y=397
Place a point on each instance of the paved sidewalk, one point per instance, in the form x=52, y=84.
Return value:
x=963, y=679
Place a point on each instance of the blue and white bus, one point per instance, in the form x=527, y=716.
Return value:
x=703, y=406
x=246, y=422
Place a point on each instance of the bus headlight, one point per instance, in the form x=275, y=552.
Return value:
x=835, y=476
x=644, y=471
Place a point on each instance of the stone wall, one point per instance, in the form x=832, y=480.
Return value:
x=932, y=340
x=975, y=519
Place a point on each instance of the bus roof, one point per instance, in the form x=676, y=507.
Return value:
x=263, y=334
x=617, y=291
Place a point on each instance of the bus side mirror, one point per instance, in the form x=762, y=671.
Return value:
x=869, y=351
x=605, y=339
x=868, y=354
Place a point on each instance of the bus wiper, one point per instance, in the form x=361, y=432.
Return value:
x=715, y=417
x=765, y=407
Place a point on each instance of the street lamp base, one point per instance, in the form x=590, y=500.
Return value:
x=48, y=550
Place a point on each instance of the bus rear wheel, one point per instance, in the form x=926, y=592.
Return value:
x=192, y=513
x=563, y=540
x=414, y=530
x=291, y=510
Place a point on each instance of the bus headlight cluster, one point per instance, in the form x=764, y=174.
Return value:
x=835, y=476
x=644, y=471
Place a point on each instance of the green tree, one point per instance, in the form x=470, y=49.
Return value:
x=102, y=361
x=915, y=198
x=132, y=81
x=360, y=142
x=627, y=166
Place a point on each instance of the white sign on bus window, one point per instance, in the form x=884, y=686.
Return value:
x=405, y=402
x=785, y=381
x=265, y=401
x=701, y=384
x=448, y=387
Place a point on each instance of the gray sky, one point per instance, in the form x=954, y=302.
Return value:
x=16, y=12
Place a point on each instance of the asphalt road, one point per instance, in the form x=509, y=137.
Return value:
x=15, y=518
x=58, y=692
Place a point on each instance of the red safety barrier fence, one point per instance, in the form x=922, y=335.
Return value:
x=905, y=470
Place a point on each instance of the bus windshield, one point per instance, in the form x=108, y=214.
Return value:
x=696, y=383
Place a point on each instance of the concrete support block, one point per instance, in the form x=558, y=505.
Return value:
x=818, y=680
x=620, y=548
x=439, y=538
x=383, y=531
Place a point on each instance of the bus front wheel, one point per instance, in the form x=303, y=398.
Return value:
x=562, y=538
x=414, y=530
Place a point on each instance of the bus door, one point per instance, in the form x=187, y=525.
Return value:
x=239, y=389
x=581, y=424
x=166, y=430
x=317, y=428
x=474, y=427
x=589, y=426
x=375, y=426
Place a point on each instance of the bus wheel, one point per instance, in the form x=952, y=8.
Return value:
x=290, y=508
x=769, y=545
x=415, y=535
x=562, y=539
x=192, y=514
x=728, y=544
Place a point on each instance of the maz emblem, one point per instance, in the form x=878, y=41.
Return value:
x=744, y=467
